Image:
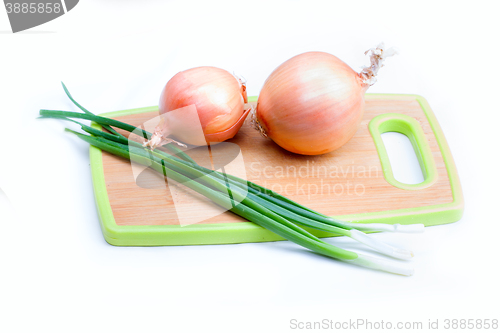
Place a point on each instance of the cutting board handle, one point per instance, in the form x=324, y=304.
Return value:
x=400, y=123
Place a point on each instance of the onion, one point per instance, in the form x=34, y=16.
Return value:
x=313, y=103
x=218, y=99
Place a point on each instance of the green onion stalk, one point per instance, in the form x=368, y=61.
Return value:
x=251, y=201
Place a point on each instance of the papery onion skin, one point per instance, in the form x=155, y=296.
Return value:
x=312, y=104
x=218, y=95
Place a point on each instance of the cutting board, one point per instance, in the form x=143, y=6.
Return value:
x=354, y=183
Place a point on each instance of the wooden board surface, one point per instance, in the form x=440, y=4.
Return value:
x=344, y=182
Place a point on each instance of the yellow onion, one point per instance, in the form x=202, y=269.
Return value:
x=313, y=103
x=219, y=99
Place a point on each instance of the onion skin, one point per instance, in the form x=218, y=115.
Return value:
x=312, y=104
x=218, y=95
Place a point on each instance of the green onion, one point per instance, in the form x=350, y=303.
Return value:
x=247, y=209
x=249, y=200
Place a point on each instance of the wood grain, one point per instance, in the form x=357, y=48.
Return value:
x=346, y=181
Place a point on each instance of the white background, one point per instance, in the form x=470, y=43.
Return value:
x=58, y=274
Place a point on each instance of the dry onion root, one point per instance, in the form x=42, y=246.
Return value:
x=209, y=97
x=313, y=103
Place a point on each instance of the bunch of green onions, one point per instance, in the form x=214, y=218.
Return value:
x=247, y=199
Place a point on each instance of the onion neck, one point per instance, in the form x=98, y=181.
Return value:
x=243, y=87
x=364, y=86
x=378, y=54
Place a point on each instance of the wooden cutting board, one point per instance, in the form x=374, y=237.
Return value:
x=354, y=182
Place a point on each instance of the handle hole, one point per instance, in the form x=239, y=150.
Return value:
x=403, y=159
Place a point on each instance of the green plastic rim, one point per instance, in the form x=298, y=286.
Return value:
x=396, y=122
x=243, y=232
